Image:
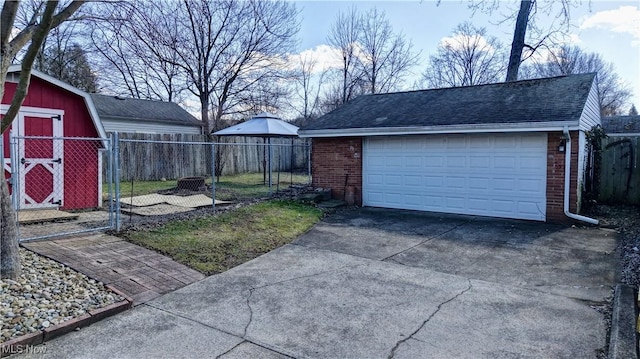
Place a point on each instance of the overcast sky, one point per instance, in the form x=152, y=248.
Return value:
x=611, y=28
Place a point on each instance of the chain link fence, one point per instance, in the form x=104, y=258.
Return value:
x=71, y=185
x=163, y=178
x=57, y=184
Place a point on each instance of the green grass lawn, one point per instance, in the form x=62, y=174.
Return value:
x=219, y=242
x=229, y=188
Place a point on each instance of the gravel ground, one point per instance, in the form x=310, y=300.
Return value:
x=47, y=293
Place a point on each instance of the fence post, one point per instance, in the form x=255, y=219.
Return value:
x=213, y=176
x=116, y=177
x=15, y=174
x=110, y=198
x=308, y=146
x=269, y=160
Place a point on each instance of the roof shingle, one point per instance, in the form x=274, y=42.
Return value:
x=621, y=124
x=540, y=100
x=119, y=108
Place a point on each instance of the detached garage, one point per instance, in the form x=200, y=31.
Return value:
x=496, y=150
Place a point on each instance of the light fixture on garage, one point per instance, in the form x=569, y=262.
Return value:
x=562, y=145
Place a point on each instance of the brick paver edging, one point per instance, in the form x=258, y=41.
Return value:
x=22, y=343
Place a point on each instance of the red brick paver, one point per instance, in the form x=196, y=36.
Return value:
x=139, y=273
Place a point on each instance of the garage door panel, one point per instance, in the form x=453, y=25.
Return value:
x=413, y=181
x=413, y=161
x=491, y=175
x=479, y=184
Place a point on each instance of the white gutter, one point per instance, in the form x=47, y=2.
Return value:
x=445, y=129
x=567, y=181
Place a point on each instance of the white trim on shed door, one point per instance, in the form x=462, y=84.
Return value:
x=497, y=175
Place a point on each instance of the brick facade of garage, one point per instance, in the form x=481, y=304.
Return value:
x=337, y=163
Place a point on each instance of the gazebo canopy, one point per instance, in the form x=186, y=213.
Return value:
x=262, y=125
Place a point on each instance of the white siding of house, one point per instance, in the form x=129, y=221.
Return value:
x=591, y=112
x=582, y=165
x=146, y=127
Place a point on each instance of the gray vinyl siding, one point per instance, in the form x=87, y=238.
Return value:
x=591, y=111
x=148, y=127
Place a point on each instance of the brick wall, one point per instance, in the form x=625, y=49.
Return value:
x=332, y=160
x=555, y=177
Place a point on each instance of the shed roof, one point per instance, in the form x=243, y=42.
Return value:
x=621, y=124
x=93, y=113
x=518, y=103
x=132, y=109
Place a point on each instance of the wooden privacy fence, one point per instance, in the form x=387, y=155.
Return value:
x=152, y=157
x=619, y=171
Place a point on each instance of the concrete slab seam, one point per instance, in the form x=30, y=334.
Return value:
x=427, y=240
x=230, y=350
x=218, y=329
x=402, y=341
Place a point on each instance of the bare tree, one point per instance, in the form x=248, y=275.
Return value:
x=31, y=36
x=69, y=64
x=468, y=57
x=529, y=35
x=219, y=51
x=135, y=44
x=566, y=60
x=344, y=35
x=633, y=111
x=385, y=57
x=307, y=86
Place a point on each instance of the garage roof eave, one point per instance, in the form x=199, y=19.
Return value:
x=425, y=130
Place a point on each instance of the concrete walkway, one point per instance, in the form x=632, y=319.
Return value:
x=382, y=284
x=139, y=273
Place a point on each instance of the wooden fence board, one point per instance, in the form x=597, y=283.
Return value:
x=619, y=171
x=150, y=161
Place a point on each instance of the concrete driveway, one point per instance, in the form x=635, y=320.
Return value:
x=373, y=283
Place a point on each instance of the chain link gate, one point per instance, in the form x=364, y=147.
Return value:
x=60, y=185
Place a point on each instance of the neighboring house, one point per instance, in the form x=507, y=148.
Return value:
x=492, y=150
x=621, y=126
x=130, y=115
x=54, y=173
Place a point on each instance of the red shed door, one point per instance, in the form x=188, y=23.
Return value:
x=41, y=160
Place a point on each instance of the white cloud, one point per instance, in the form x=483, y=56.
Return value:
x=326, y=58
x=625, y=19
x=460, y=41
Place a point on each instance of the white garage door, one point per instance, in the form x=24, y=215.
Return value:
x=498, y=175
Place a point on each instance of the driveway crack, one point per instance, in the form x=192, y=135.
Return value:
x=230, y=350
x=402, y=341
x=425, y=241
x=253, y=289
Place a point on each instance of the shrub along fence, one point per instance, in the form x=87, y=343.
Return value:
x=152, y=157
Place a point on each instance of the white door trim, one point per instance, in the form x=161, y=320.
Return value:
x=57, y=170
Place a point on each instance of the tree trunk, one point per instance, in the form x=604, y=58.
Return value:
x=517, y=45
x=9, y=258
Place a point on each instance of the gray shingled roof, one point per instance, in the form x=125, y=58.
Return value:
x=540, y=100
x=621, y=124
x=119, y=108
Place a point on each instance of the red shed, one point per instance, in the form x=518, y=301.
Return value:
x=62, y=170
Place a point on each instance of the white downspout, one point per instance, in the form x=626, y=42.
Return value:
x=567, y=181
